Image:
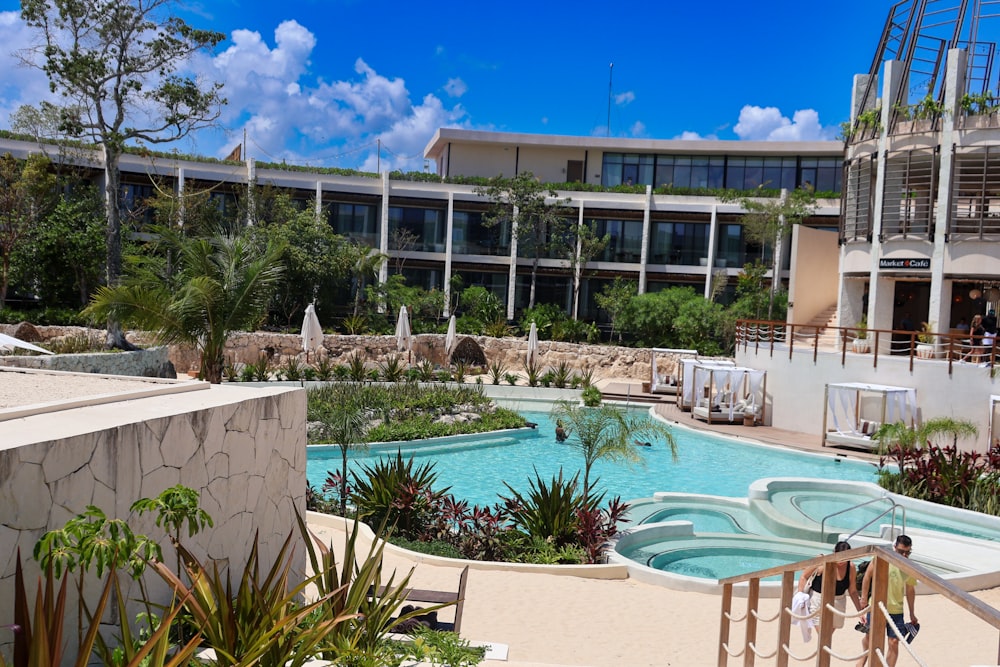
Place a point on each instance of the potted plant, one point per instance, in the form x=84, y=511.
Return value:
x=860, y=342
x=925, y=341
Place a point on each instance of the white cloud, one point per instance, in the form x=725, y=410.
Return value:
x=20, y=84
x=687, y=135
x=455, y=87
x=621, y=99
x=638, y=129
x=768, y=124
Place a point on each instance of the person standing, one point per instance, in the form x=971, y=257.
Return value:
x=901, y=586
x=846, y=584
x=976, y=333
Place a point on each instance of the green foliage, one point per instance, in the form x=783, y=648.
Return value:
x=176, y=507
x=341, y=410
x=198, y=292
x=27, y=190
x=614, y=298
x=608, y=433
x=480, y=307
x=496, y=370
x=356, y=367
x=394, y=492
x=446, y=649
x=510, y=379
x=591, y=396
x=548, y=510
x=546, y=316
x=752, y=294
x=392, y=368
x=533, y=372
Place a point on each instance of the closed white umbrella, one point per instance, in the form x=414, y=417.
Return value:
x=532, y=344
x=312, y=332
x=450, y=338
x=403, y=337
x=8, y=342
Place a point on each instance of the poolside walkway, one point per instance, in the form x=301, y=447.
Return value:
x=666, y=407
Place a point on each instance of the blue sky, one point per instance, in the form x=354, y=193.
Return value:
x=318, y=82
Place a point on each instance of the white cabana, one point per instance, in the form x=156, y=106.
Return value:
x=733, y=392
x=858, y=409
x=665, y=383
x=685, y=387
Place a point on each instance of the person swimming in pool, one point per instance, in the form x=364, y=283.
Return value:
x=561, y=433
x=640, y=443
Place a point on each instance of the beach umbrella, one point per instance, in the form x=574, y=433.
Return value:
x=9, y=342
x=403, y=337
x=312, y=332
x=450, y=338
x=532, y=344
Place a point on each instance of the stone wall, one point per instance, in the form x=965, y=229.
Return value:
x=243, y=449
x=604, y=361
x=151, y=362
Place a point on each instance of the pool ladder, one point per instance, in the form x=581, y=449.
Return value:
x=893, y=506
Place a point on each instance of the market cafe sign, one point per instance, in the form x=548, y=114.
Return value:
x=904, y=263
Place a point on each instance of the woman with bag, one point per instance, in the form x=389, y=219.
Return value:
x=846, y=584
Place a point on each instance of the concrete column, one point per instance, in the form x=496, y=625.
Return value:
x=713, y=227
x=512, y=275
x=383, y=231
x=881, y=291
x=857, y=93
x=577, y=267
x=644, y=250
x=319, y=201
x=939, y=307
x=251, y=183
x=449, y=234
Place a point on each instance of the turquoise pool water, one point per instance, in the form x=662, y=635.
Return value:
x=707, y=464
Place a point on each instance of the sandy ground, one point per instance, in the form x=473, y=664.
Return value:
x=550, y=620
x=19, y=388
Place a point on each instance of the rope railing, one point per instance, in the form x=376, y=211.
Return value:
x=882, y=558
x=767, y=336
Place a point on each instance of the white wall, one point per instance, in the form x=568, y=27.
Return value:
x=796, y=386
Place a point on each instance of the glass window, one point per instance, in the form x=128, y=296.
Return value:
x=729, y=245
x=355, y=221
x=471, y=237
x=682, y=172
x=734, y=173
x=624, y=242
x=680, y=243
x=426, y=225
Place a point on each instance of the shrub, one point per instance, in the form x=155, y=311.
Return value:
x=591, y=396
x=547, y=510
x=395, y=492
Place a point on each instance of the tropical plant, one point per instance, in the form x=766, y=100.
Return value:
x=219, y=285
x=426, y=370
x=561, y=374
x=613, y=298
x=176, y=507
x=496, y=370
x=324, y=369
x=591, y=396
x=392, y=368
x=27, y=190
x=365, y=265
x=258, y=371
x=343, y=422
x=862, y=327
x=356, y=366
x=926, y=334
x=292, y=369
x=549, y=509
x=354, y=324
x=608, y=433
x=510, y=379
x=595, y=526
x=498, y=328
x=458, y=371
x=398, y=494
x=898, y=439
x=533, y=373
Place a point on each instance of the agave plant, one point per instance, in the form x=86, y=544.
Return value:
x=561, y=375
x=356, y=367
x=395, y=492
x=549, y=509
x=392, y=368
x=497, y=370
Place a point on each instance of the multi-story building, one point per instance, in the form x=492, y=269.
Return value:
x=686, y=237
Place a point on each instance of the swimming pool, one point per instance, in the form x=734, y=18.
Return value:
x=475, y=467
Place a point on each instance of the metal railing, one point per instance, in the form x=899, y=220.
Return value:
x=769, y=336
x=889, y=510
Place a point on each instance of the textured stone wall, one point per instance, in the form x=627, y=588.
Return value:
x=603, y=361
x=246, y=457
x=151, y=362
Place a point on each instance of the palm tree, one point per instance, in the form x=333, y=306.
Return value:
x=219, y=284
x=903, y=438
x=344, y=422
x=365, y=266
x=608, y=433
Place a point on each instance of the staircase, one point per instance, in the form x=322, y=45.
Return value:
x=829, y=335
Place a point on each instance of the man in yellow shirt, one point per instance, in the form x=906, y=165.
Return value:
x=901, y=586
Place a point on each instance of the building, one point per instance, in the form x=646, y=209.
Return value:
x=654, y=199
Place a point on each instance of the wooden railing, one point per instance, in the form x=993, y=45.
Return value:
x=768, y=336
x=882, y=557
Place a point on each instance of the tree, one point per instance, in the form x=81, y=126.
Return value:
x=222, y=284
x=607, y=433
x=344, y=421
x=27, y=193
x=62, y=257
x=114, y=63
x=770, y=220
x=537, y=225
x=613, y=299
x=365, y=263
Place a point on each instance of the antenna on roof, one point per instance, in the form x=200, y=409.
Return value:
x=611, y=71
